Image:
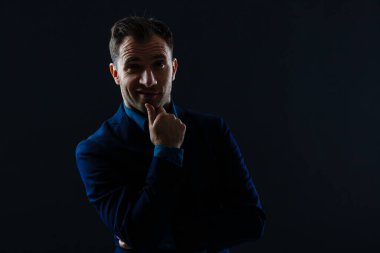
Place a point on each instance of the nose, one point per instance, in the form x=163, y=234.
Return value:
x=147, y=78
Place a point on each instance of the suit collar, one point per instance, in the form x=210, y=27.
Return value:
x=141, y=119
x=138, y=117
x=130, y=134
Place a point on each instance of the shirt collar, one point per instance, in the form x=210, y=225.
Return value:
x=141, y=118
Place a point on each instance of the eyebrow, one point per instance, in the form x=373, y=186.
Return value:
x=131, y=59
x=159, y=56
x=135, y=58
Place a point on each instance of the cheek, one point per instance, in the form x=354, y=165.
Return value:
x=166, y=77
x=129, y=82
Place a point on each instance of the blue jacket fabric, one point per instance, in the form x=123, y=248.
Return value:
x=207, y=205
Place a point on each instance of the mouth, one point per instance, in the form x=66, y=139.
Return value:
x=149, y=94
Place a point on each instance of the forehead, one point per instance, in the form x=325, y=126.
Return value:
x=149, y=49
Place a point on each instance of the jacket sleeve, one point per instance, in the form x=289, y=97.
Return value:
x=138, y=216
x=240, y=216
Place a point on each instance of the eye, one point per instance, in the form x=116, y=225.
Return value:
x=159, y=64
x=132, y=67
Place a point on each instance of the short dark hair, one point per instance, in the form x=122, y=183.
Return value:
x=141, y=29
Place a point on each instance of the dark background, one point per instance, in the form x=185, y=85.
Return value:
x=297, y=81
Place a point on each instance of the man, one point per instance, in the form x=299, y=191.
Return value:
x=162, y=178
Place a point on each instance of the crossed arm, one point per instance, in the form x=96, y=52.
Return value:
x=138, y=216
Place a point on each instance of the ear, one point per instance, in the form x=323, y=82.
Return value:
x=175, y=67
x=114, y=73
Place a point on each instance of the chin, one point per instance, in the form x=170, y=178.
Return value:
x=155, y=104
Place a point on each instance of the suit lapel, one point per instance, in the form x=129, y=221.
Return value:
x=128, y=132
x=132, y=137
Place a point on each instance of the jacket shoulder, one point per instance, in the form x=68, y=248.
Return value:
x=103, y=138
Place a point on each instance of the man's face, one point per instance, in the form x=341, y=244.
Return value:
x=144, y=72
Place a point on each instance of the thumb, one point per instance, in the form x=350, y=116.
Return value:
x=151, y=113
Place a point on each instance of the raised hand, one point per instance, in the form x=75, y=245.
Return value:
x=165, y=128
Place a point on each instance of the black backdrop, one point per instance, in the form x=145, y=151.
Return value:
x=297, y=81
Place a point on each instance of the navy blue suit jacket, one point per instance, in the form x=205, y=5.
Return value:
x=210, y=203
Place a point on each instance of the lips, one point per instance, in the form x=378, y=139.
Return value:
x=149, y=93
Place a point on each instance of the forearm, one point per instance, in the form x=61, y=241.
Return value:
x=151, y=213
x=132, y=205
